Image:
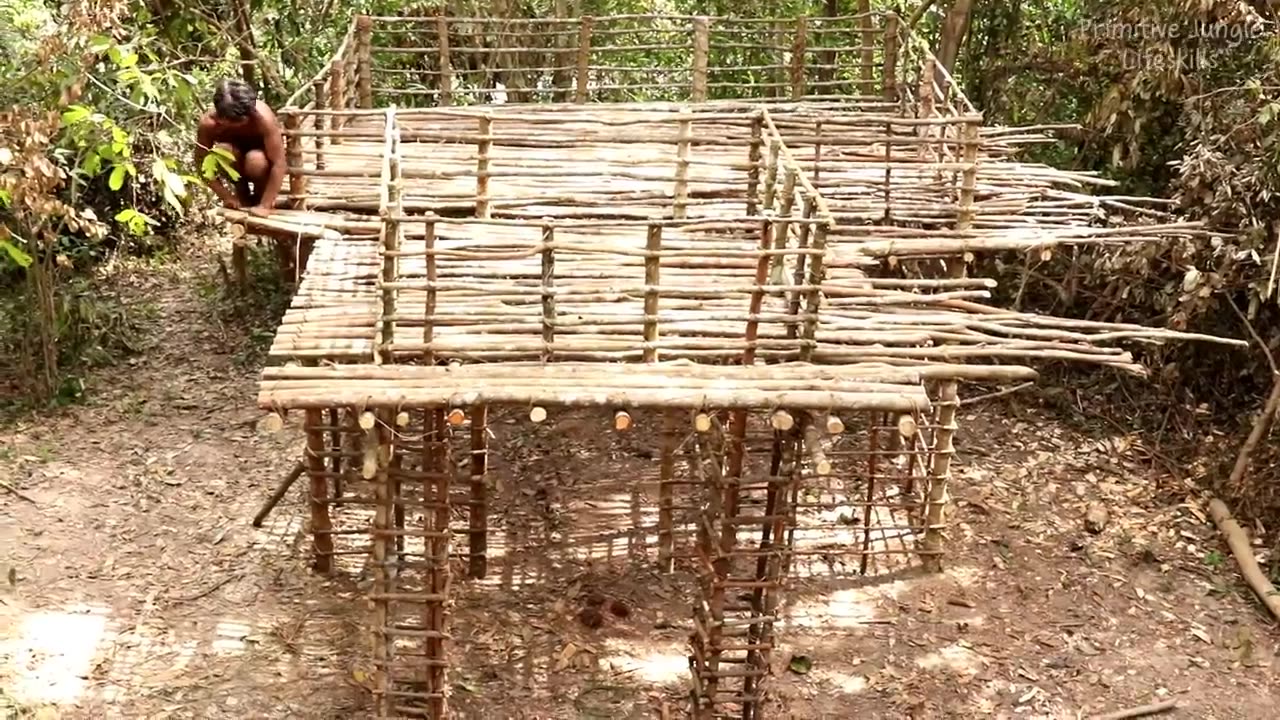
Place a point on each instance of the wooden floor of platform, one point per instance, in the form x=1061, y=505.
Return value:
x=567, y=164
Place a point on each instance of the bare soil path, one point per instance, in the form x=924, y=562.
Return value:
x=138, y=589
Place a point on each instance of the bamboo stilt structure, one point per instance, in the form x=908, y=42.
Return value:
x=469, y=257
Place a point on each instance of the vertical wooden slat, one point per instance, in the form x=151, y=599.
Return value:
x=584, y=56
x=679, y=208
x=482, y=165
x=321, y=94
x=548, y=289
x=446, y=65
x=429, y=322
x=799, y=46
x=479, y=520
x=364, y=60
x=701, y=49
x=652, y=278
x=890, y=82
x=293, y=159
x=337, y=96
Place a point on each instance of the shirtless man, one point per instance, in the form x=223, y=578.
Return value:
x=244, y=126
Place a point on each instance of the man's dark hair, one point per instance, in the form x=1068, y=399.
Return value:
x=234, y=99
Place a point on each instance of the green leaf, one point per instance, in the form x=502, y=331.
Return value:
x=15, y=253
x=800, y=664
x=75, y=114
x=126, y=60
x=92, y=163
x=100, y=43
x=159, y=170
x=116, y=181
x=5, y=198
x=134, y=220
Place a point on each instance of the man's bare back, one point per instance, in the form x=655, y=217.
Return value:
x=246, y=127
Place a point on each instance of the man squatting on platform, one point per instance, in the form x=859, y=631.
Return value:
x=244, y=126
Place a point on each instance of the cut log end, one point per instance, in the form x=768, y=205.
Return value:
x=621, y=420
x=457, y=416
x=538, y=414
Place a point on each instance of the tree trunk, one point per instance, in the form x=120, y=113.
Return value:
x=955, y=28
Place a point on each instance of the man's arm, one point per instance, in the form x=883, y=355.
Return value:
x=205, y=141
x=273, y=148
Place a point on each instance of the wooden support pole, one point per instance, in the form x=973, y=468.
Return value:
x=321, y=94
x=446, y=66
x=652, y=273
x=890, y=82
x=926, y=107
x=754, y=155
x=428, y=320
x=781, y=224
x=701, y=50
x=482, y=166
x=389, y=246
x=337, y=97
x=771, y=173
x=440, y=467
x=802, y=261
x=548, y=289
x=868, y=44
x=799, y=46
x=479, y=519
x=969, y=176
x=888, y=173
x=931, y=545
x=666, y=491
x=321, y=526
x=583, y=73
x=817, y=270
x=376, y=449
x=293, y=159
x=679, y=208
x=364, y=60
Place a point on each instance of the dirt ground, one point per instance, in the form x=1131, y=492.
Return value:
x=138, y=589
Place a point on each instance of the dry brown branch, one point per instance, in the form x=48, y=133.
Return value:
x=1140, y=711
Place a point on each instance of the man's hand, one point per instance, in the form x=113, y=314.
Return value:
x=232, y=203
x=259, y=211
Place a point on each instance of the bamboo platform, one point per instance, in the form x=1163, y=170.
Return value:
x=795, y=262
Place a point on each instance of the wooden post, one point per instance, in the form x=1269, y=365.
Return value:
x=868, y=48
x=440, y=467
x=679, y=208
x=429, y=322
x=771, y=173
x=446, y=66
x=701, y=49
x=321, y=527
x=652, y=272
x=482, y=165
x=364, y=60
x=548, y=288
x=754, y=154
x=666, y=485
x=584, y=57
x=479, y=519
x=816, y=273
x=390, y=246
x=926, y=110
x=293, y=159
x=322, y=98
x=891, y=57
x=888, y=172
x=969, y=179
x=799, y=45
x=337, y=96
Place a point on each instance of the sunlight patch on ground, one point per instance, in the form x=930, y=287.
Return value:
x=954, y=657
x=844, y=683
x=653, y=662
x=53, y=653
